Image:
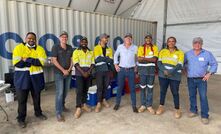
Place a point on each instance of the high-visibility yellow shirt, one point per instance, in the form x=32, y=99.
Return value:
x=28, y=75
x=99, y=52
x=149, y=53
x=22, y=51
x=171, y=58
x=82, y=58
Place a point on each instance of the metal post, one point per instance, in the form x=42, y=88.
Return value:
x=118, y=7
x=69, y=3
x=129, y=8
x=96, y=5
x=165, y=23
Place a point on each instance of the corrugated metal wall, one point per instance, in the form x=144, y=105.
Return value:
x=19, y=17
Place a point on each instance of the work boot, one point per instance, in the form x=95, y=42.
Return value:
x=42, y=117
x=160, y=110
x=105, y=103
x=86, y=108
x=191, y=114
x=205, y=121
x=98, y=107
x=77, y=114
x=177, y=113
x=151, y=110
x=22, y=124
x=135, y=109
x=142, y=109
x=60, y=118
x=116, y=107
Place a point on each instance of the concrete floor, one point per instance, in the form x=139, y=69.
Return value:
x=122, y=121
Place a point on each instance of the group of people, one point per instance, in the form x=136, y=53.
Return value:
x=128, y=60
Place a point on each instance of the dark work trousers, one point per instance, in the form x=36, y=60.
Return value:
x=82, y=89
x=22, y=96
x=174, y=87
x=102, y=81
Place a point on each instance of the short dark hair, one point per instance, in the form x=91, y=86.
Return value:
x=31, y=33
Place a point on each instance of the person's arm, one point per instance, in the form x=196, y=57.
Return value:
x=185, y=64
x=175, y=69
x=213, y=64
x=147, y=60
x=97, y=57
x=75, y=61
x=100, y=59
x=179, y=66
x=55, y=61
x=161, y=66
x=71, y=66
x=159, y=62
x=109, y=56
x=92, y=65
x=213, y=67
x=33, y=61
x=17, y=59
x=77, y=66
x=116, y=62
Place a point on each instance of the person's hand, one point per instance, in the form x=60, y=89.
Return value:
x=89, y=72
x=117, y=68
x=69, y=70
x=206, y=77
x=135, y=69
x=24, y=59
x=165, y=72
x=184, y=72
x=65, y=72
x=143, y=59
x=85, y=74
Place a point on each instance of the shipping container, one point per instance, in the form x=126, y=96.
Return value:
x=19, y=17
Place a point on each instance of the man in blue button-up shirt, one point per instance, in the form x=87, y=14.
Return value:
x=125, y=62
x=200, y=64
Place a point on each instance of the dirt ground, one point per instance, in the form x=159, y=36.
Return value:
x=122, y=121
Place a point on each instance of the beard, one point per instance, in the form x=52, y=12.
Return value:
x=30, y=44
x=84, y=47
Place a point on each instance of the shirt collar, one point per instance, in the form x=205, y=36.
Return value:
x=130, y=45
x=82, y=49
x=202, y=51
x=101, y=46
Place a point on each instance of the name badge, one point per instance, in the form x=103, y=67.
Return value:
x=201, y=59
x=175, y=56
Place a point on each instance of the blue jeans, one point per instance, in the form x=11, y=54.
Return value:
x=62, y=86
x=146, y=86
x=130, y=74
x=174, y=87
x=193, y=84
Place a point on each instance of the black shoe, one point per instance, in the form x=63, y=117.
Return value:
x=60, y=118
x=42, y=117
x=22, y=124
x=135, y=110
x=116, y=107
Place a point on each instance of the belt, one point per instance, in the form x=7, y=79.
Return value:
x=127, y=68
x=196, y=77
